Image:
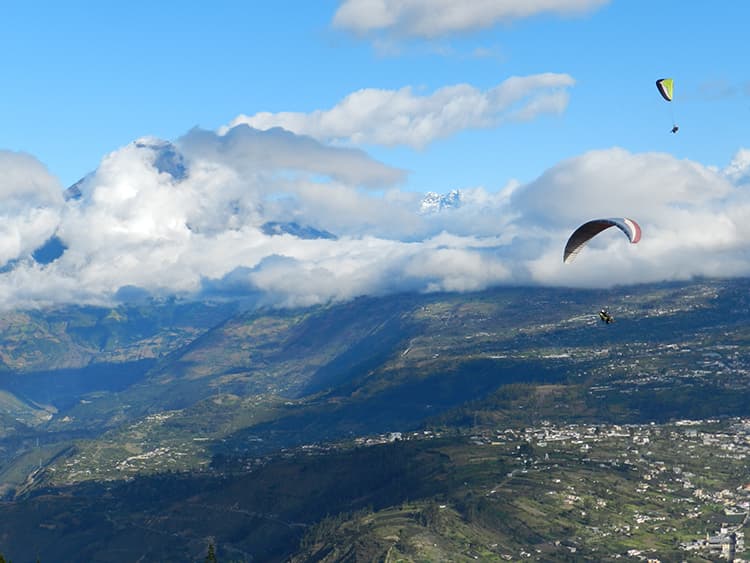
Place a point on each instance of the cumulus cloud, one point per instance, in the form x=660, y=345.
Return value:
x=739, y=169
x=691, y=216
x=433, y=18
x=616, y=182
x=401, y=117
x=31, y=201
x=252, y=152
x=193, y=224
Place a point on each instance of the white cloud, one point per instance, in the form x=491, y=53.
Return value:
x=401, y=117
x=433, y=18
x=615, y=182
x=739, y=169
x=201, y=233
x=253, y=152
x=30, y=200
x=694, y=220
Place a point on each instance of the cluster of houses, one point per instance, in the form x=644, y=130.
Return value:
x=727, y=441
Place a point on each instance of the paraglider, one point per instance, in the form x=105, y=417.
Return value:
x=589, y=230
x=666, y=89
x=606, y=317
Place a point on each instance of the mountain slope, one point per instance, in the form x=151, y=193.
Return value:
x=262, y=381
x=280, y=398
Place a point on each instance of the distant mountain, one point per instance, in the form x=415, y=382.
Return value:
x=433, y=202
x=45, y=254
x=67, y=338
x=50, y=251
x=273, y=228
x=74, y=191
x=166, y=159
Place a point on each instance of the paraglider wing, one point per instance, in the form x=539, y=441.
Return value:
x=589, y=230
x=666, y=88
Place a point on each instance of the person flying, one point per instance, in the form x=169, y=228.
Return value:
x=606, y=317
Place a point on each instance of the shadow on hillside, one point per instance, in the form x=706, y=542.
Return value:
x=63, y=388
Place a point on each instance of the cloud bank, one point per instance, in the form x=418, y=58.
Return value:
x=401, y=117
x=189, y=219
x=433, y=18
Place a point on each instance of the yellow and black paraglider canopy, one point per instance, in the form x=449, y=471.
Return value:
x=666, y=89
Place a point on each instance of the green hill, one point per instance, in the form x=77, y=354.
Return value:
x=270, y=411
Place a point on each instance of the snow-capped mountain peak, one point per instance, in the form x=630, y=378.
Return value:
x=433, y=202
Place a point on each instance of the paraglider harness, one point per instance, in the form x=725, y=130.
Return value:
x=606, y=317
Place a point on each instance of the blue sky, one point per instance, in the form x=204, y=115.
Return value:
x=340, y=115
x=81, y=79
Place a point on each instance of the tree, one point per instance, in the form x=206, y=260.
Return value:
x=211, y=557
